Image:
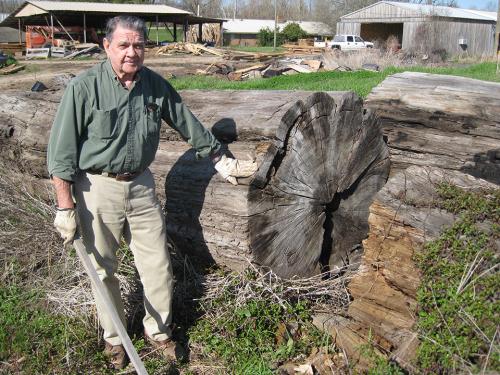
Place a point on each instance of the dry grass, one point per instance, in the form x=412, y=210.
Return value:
x=324, y=293
x=355, y=59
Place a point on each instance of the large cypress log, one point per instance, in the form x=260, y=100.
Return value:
x=441, y=121
x=321, y=160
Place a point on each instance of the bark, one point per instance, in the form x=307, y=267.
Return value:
x=442, y=121
x=383, y=310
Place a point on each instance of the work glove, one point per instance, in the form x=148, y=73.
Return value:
x=230, y=168
x=65, y=223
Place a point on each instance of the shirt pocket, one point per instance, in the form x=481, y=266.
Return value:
x=104, y=124
x=153, y=120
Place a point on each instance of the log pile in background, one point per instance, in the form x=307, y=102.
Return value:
x=210, y=33
x=442, y=121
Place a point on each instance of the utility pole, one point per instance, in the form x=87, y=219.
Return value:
x=276, y=24
x=497, y=35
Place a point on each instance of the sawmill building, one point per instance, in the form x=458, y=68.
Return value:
x=424, y=27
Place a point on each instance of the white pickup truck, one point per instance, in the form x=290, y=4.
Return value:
x=348, y=42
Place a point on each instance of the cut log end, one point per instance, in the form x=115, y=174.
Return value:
x=309, y=201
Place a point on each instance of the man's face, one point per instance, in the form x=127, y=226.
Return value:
x=125, y=51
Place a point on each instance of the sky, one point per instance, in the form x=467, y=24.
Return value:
x=478, y=4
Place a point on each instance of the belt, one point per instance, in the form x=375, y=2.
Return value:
x=127, y=176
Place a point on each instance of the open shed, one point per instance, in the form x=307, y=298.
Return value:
x=424, y=27
x=93, y=15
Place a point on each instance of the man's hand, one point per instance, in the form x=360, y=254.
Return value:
x=230, y=168
x=65, y=223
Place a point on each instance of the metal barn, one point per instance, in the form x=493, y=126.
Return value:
x=418, y=27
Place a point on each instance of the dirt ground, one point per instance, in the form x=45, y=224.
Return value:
x=46, y=70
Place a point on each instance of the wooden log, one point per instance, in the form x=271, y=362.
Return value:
x=321, y=160
x=443, y=121
x=383, y=310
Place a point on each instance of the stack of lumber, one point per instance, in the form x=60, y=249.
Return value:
x=83, y=49
x=294, y=48
x=11, y=69
x=192, y=48
x=11, y=48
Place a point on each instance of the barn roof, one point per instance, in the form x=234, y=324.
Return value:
x=419, y=10
x=69, y=12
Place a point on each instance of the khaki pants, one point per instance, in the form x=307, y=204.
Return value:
x=108, y=209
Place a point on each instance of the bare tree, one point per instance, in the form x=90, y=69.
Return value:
x=446, y=3
x=8, y=6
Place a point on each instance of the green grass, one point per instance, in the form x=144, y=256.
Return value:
x=257, y=335
x=164, y=35
x=35, y=341
x=362, y=82
x=459, y=314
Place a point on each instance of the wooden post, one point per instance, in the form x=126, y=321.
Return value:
x=497, y=31
x=175, y=32
x=185, y=29
x=20, y=32
x=200, y=33
x=221, y=39
x=84, y=28
x=52, y=28
x=157, y=36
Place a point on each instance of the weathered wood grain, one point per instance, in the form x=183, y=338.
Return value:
x=383, y=310
x=329, y=161
x=441, y=121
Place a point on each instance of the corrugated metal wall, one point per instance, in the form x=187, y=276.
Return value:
x=442, y=33
x=380, y=10
x=349, y=28
x=445, y=35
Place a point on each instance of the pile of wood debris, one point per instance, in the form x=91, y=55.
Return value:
x=199, y=49
x=263, y=70
x=68, y=51
x=11, y=69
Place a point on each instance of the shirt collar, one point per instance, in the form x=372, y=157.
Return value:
x=114, y=77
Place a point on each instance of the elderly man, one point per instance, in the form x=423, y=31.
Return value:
x=104, y=137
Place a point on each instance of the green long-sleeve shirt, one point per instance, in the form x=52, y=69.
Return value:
x=101, y=125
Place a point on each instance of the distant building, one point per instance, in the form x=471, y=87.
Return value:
x=8, y=34
x=243, y=32
x=452, y=29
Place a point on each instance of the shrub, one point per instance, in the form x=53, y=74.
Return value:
x=265, y=37
x=293, y=32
